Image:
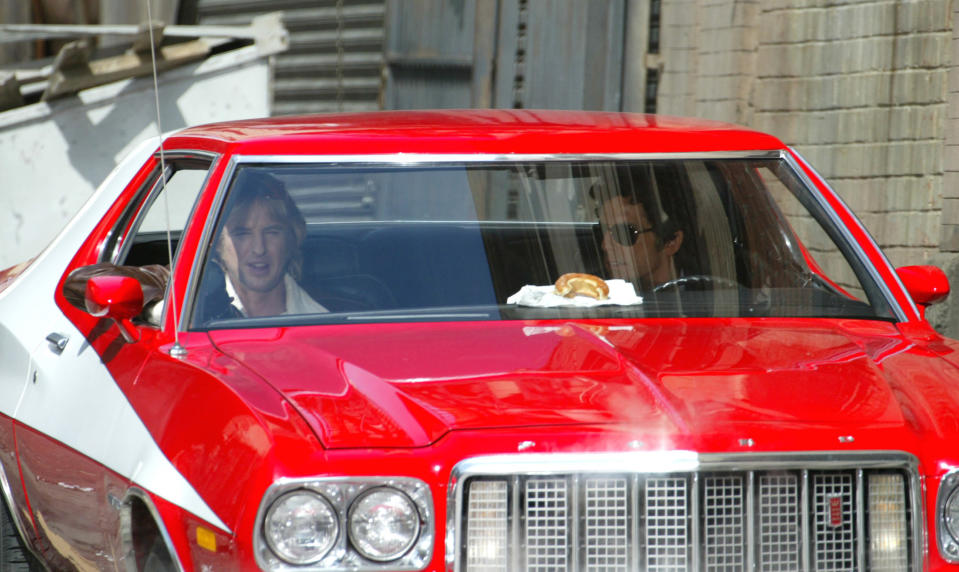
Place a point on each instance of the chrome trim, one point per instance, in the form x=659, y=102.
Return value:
x=635, y=533
x=156, y=186
x=58, y=342
x=677, y=461
x=861, y=519
x=750, y=508
x=187, y=154
x=341, y=492
x=136, y=208
x=514, y=531
x=948, y=484
x=918, y=498
x=696, y=535
x=126, y=532
x=576, y=513
x=214, y=161
x=664, y=462
x=797, y=161
x=448, y=546
x=588, y=463
x=446, y=158
x=188, y=304
x=806, y=527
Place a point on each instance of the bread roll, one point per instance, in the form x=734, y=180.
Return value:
x=576, y=284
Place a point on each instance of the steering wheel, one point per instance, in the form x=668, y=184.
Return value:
x=697, y=282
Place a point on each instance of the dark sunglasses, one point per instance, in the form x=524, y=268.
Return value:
x=625, y=233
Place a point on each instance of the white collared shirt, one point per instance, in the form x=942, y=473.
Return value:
x=297, y=300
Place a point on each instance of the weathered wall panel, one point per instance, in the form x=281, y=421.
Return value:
x=860, y=88
x=335, y=57
x=430, y=46
x=54, y=154
x=561, y=55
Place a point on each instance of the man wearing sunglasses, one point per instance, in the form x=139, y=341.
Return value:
x=638, y=248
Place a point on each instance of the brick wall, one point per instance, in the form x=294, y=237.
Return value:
x=949, y=235
x=709, y=50
x=860, y=88
x=679, y=46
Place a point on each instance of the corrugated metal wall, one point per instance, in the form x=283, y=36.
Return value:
x=335, y=59
x=505, y=53
x=409, y=54
x=556, y=54
x=429, y=55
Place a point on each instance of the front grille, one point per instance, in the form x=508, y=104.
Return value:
x=728, y=514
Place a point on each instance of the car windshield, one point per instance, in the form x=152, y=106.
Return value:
x=309, y=243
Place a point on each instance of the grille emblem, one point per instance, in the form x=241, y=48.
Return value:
x=834, y=506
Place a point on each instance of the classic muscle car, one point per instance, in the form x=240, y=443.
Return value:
x=337, y=343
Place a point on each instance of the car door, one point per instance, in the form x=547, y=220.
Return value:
x=78, y=463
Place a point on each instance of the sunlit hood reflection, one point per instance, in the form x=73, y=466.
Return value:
x=705, y=383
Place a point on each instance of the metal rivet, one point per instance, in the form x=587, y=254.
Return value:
x=747, y=442
x=525, y=445
x=635, y=444
x=952, y=548
x=846, y=438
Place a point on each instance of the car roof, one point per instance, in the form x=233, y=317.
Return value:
x=474, y=131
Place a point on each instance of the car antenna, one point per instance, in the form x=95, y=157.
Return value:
x=177, y=350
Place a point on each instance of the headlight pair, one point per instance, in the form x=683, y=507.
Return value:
x=348, y=523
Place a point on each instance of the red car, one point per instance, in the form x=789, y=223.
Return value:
x=474, y=341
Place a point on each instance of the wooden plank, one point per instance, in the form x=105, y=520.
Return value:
x=74, y=74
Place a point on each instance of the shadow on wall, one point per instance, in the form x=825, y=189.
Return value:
x=97, y=138
x=54, y=155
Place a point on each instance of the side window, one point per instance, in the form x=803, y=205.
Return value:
x=163, y=213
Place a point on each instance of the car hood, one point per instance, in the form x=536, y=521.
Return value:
x=708, y=384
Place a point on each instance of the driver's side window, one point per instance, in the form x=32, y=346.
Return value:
x=145, y=238
x=162, y=215
x=148, y=234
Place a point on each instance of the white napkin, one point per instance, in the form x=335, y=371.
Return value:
x=621, y=293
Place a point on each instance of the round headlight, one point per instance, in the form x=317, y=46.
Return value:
x=301, y=527
x=384, y=523
x=951, y=514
